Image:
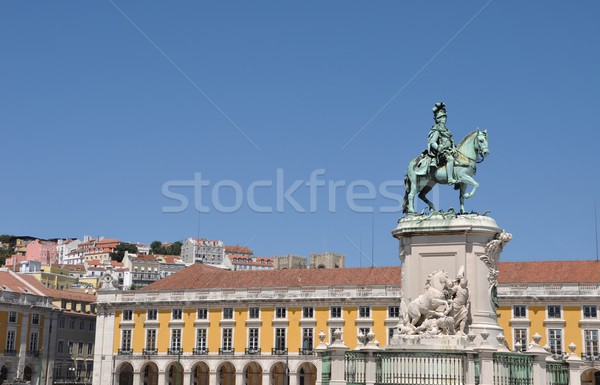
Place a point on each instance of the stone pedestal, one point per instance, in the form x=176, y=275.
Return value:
x=449, y=242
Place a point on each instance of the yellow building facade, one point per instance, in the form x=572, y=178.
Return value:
x=24, y=327
x=205, y=325
x=208, y=326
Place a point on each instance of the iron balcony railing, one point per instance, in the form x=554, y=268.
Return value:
x=223, y=351
x=10, y=352
x=124, y=352
x=71, y=381
x=252, y=351
x=174, y=351
x=199, y=351
x=33, y=353
x=590, y=357
x=279, y=351
x=149, y=352
x=306, y=352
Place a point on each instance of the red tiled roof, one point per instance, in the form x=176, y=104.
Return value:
x=170, y=259
x=73, y=267
x=146, y=258
x=20, y=283
x=203, y=276
x=237, y=250
x=549, y=271
x=70, y=295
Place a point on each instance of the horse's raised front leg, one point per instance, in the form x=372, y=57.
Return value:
x=470, y=181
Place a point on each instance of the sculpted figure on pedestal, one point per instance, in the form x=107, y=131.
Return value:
x=444, y=162
x=426, y=306
x=460, y=304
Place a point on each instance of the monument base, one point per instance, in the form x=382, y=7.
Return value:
x=428, y=343
x=466, y=246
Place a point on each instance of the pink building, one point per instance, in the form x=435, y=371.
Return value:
x=43, y=251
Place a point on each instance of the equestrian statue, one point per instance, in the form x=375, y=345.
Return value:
x=445, y=163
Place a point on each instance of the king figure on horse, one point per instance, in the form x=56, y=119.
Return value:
x=444, y=162
x=440, y=146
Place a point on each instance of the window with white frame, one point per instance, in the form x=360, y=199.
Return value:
x=71, y=323
x=61, y=322
x=590, y=311
x=92, y=325
x=519, y=311
x=11, y=336
x=82, y=324
x=308, y=312
x=554, y=311
x=125, y=341
x=35, y=319
x=227, y=313
x=176, y=339
x=280, y=312
x=591, y=342
x=152, y=314
x=202, y=313
x=33, y=341
x=60, y=348
x=254, y=313
x=336, y=312
x=555, y=341
x=307, y=339
x=151, y=339
x=280, y=338
x=393, y=311
x=253, y=342
x=331, y=333
x=364, y=312
x=90, y=349
x=70, y=344
x=127, y=315
x=201, y=339
x=12, y=317
x=227, y=340
x=364, y=332
x=520, y=336
x=176, y=314
x=80, y=347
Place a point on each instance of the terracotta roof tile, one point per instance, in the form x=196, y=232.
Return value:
x=549, y=271
x=237, y=250
x=70, y=295
x=170, y=259
x=203, y=276
x=20, y=283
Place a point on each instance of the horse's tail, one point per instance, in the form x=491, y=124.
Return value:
x=406, y=190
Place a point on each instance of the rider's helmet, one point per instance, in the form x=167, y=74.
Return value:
x=439, y=110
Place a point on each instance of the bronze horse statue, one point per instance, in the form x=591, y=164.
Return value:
x=471, y=150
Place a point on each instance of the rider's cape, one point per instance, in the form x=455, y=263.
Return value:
x=422, y=166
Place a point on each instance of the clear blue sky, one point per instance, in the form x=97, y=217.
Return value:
x=97, y=114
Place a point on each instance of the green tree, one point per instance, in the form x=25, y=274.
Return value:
x=121, y=249
x=6, y=252
x=155, y=246
x=5, y=238
x=175, y=248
